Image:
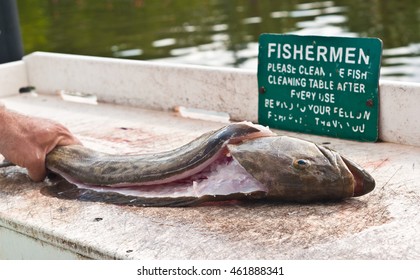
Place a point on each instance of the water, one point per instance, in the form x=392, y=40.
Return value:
x=217, y=32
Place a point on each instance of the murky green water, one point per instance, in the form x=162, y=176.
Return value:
x=217, y=32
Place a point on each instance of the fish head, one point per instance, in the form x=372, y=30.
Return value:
x=297, y=170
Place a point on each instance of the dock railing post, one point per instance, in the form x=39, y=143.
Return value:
x=11, y=48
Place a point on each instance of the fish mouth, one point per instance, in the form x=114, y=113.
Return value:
x=364, y=182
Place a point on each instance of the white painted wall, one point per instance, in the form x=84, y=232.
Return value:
x=12, y=77
x=399, y=111
x=147, y=84
x=161, y=86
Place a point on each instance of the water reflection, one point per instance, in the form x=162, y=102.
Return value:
x=402, y=63
x=217, y=32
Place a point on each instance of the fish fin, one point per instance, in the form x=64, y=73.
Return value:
x=65, y=190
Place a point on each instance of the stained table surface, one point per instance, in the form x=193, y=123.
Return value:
x=380, y=225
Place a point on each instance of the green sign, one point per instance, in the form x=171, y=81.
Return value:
x=320, y=85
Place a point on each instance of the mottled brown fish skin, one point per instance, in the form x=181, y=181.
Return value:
x=290, y=169
x=96, y=168
x=295, y=170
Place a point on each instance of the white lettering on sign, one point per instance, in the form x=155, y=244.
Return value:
x=312, y=96
x=286, y=81
x=319, y=53
x=353, y=73
x=281, y=68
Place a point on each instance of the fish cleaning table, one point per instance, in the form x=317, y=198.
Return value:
x=380, y=225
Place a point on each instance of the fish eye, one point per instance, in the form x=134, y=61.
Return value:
x=300, y=163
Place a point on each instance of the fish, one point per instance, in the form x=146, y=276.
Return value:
x=240, y=161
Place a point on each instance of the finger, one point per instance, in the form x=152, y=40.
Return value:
x=37, y=172
x=66, y=137
x=65, y=141
x=36, y=167
x=61, y=141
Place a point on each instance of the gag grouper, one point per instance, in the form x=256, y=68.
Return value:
x=238, y=161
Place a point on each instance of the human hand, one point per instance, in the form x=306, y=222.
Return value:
x=26, y=141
